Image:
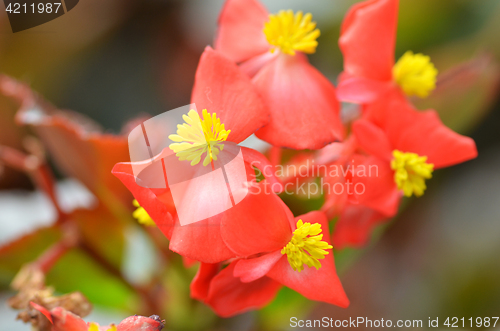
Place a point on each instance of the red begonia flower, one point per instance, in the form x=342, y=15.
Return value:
x=302, y=102
x=320, y=284
x=221, y=88
x=405, y=146
x=253, y=282
x=367, y=41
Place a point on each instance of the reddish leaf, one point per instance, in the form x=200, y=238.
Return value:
x=76, y=143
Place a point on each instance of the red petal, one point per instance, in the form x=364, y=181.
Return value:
x=368, y=39
x=240, y=35
x=201, y=241
x=372, y=139
x=221, y=87
x=424, y=133
x=67, y=321
x=374, y=186
x=253, y=269
x=43, y=310
x=335, y=192
x=252, y=66
x=355, y=226
x=140, y=323
x=322, y=284
x=360, y=89
x=160, y=208
x=229, y=296
x=377, y=111
x=202, y=200
x=187, y=262
x=258, y=224
x=303, y=104
x=201, y=282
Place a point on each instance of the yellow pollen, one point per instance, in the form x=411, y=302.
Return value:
x=416, y=74
x=198, y=136
x=306, y=246
x=291, y=33
x=410, y=172
x=142, y=215
x=95, y=327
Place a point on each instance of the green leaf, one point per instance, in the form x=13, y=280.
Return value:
x=76, y=271
x=23, y=250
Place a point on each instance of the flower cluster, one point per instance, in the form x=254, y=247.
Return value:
x=261, y=83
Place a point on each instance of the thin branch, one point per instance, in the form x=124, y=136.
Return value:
x=49, y=258
x=37, y=169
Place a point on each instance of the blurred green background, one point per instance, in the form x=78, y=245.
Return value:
x=116, y=59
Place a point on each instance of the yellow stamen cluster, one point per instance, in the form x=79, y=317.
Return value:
x=142, y=215
x=416, y=74
x=95, y=327
x=410, y=172
x=198, y=136
x=306, y=246
x=291, y=33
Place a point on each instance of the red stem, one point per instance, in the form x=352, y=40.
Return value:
x=39, y=172
x=50, y=257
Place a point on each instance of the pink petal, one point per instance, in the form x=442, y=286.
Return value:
x=303, y=104
x=253, y=65
x=253, y=269
x=240, y=34
x=359, y=89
